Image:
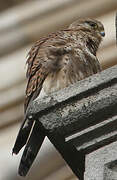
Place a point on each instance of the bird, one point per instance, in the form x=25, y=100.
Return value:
x=54, y=62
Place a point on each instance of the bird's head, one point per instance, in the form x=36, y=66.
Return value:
x=88, y=24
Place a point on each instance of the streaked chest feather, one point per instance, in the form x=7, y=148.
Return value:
x=60, y=80
x=74, y=67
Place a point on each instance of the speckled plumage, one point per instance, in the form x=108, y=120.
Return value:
x=62, y=58
x=58, y=60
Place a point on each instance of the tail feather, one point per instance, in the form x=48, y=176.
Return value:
x=32, y=147
x=22, y=135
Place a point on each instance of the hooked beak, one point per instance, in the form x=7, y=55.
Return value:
x=102, y=33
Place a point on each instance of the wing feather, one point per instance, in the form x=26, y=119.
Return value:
x=35, y=80
x=36, y=74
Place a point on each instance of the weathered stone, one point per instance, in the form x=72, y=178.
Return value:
x=78, y=106
x=81, y=118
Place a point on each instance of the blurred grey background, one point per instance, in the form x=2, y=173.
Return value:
x=22, y=22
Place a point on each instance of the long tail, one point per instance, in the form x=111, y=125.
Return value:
x=32, y=147
x=32, y=134
x=22, y=135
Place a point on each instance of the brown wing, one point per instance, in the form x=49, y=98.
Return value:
x=42, y=59
x=32, y=61
x=33, y=89
x=34, y=85
x=39, y=65
x=35, y=73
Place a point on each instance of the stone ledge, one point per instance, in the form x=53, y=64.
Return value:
x=81, y=118
x=77, y=104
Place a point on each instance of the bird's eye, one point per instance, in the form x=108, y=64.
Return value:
x=92, y=24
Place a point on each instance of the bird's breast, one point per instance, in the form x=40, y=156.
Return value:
x=73, y=67
x=54, y=82
x=60, y=80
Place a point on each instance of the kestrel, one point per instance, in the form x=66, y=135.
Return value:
x=56, y=61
